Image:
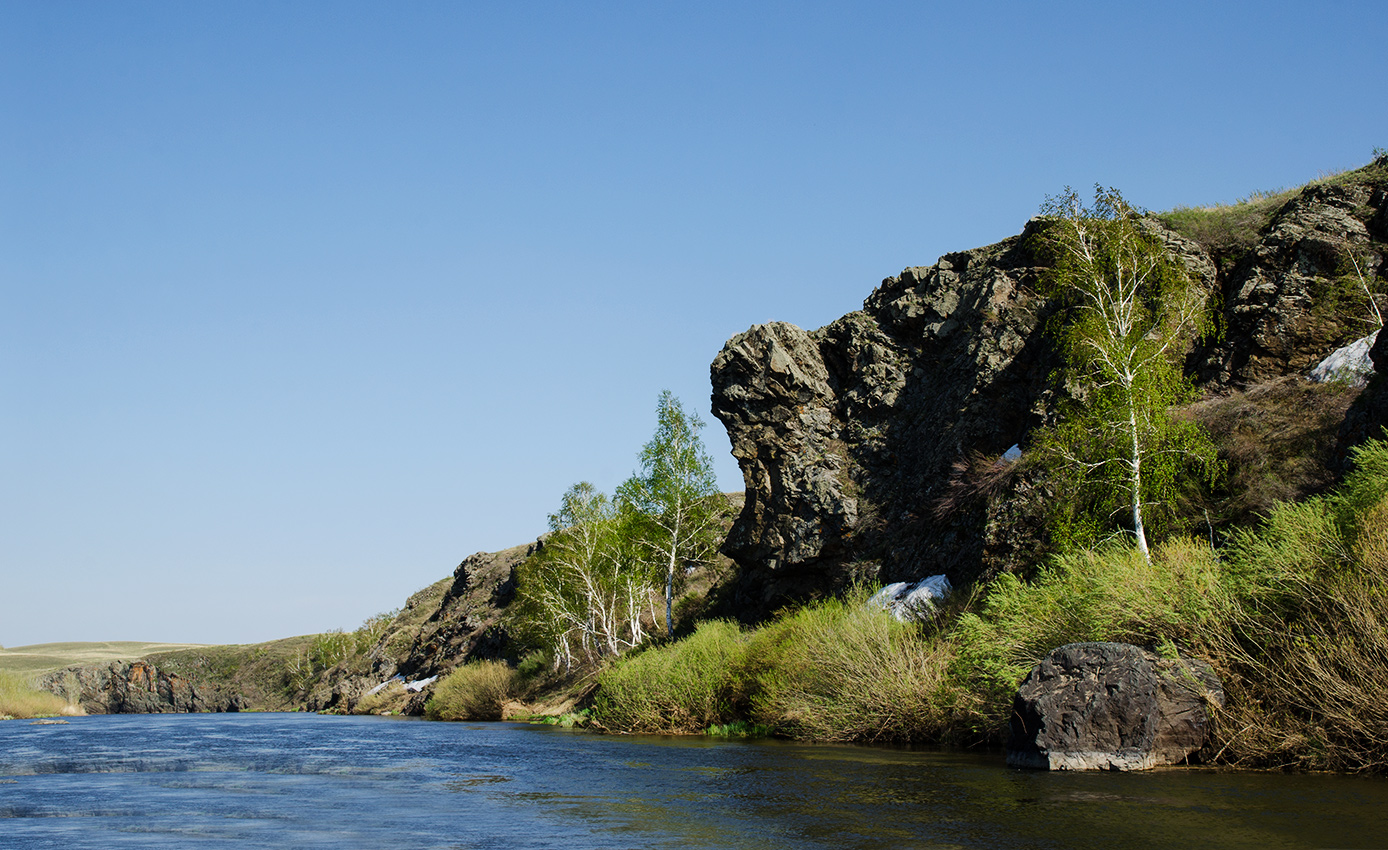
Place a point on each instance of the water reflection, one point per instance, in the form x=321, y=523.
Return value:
x=306, y=781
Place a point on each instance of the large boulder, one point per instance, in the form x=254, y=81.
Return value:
x=1111, y=706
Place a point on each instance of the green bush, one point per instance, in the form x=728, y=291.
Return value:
x=681, y=687
x=475, y=691
x=845, y=670
x=1107, y=595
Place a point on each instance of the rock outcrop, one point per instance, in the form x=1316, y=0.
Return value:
x=846, y=435
x=447, y=624
x=1110, y=706
x=1368, y=418
x=869, y=447
x=136, y=687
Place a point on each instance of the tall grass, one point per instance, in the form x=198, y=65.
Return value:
x=19, y=698
x=836, y=671
x=1112, y=594
x=848, y=671
x=1292, y=614
x=683, y=687
x=475, y=691
x=1306, y=660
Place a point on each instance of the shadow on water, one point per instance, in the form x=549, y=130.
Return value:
x=307, y=781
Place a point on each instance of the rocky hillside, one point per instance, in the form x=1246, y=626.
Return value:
x=855, y=439
x=870, y=447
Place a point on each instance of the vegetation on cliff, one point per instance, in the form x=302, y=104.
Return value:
x=1128, y=309
x=1292, y=614
x=595, y=588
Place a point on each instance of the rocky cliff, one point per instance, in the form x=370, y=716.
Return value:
x=137, y=687
x=446, y=624
x=872, y=448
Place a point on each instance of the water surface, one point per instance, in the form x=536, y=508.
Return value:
x=305, y=781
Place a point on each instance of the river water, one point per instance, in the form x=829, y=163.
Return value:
x=306, y=781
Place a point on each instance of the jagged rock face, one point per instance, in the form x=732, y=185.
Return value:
x=449, y=623
x=847, y=435
x=1110, y=706
x=135, y=687
x=1368, y=418
x=1286, y=300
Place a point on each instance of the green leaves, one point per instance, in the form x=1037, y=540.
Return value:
x=594, y=588
x=1128, y=311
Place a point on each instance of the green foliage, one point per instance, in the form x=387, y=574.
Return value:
x=844, y=670
x=738, y=729
x=475, y=691
x=330, y=648
x=672, y=498
x=834, y=671
x=1228, y=231
x=682, y=687
x=594, y=588
x=1128, y=309
x=583, y=595
x=1112, y=594
x=1305, y=664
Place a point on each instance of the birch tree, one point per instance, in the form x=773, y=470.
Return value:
x=673, y=494
x=585, y=592
x=1128, y=311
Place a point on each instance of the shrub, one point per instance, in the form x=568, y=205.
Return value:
x=475, y=691
x=844, y=670
x=19, y=698
x=1111, y=594
x=686, y=686
x=1305, y=670
x=387, y=699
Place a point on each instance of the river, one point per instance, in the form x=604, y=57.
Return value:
x=308, y=781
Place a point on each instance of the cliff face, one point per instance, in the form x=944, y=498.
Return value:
x=852, y=437
x=449, y=623
x=137, y=687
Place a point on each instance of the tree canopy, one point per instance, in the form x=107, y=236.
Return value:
x=1129, y=310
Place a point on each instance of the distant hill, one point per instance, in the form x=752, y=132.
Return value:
x=45, y=657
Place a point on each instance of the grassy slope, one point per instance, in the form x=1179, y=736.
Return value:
x=45, y=657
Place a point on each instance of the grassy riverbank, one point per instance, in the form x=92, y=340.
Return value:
x=1292, y=614
x=20, y=699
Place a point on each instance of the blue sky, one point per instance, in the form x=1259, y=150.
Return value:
x=301, y=303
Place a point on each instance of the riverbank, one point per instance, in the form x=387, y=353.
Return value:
x=1291, y=614
x=21, y=699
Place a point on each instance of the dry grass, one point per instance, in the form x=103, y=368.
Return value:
x=19, y=698
x=977, y=477
x=387, y=700
x=47, y=657
x=475, y=691
x=1277, y=439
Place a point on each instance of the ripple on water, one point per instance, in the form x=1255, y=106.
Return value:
x=304, y=781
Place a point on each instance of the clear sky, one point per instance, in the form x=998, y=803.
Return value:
x=303, y=302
